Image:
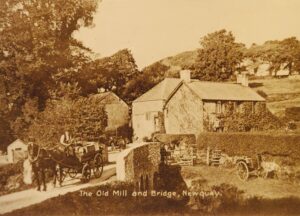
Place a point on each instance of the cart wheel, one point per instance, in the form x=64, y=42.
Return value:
x=242, y=170
x=98, y=166
x=86, y=173
x=72, y=172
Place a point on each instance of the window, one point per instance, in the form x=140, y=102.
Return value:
x=237, y=106
x=148, y=116
x=156, y=123
x=18, y=149
x=218, y=107
x=253, y=106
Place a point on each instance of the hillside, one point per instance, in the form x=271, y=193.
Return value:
x=282, y=93
x=180, y=60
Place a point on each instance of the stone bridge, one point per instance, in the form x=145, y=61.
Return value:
x=140, y=164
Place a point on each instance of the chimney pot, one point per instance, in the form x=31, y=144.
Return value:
x=242, y=79
x=185, y=75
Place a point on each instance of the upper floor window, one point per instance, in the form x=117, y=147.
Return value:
x=219, y=107
x=148, y=116
x=253, y=106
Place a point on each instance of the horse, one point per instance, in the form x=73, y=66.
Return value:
x=41, y=160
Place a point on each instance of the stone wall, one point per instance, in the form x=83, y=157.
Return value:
x=140, y=165
x=184, y=113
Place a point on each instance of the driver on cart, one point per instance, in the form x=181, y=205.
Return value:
x=68, y=143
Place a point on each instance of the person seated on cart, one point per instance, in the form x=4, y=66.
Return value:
x=68, y=143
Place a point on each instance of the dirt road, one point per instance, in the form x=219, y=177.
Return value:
x=29, y=197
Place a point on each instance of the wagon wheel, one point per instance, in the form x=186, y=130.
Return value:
x=72, y=172
x=242, y=170
x=98, y=165
x=86, y=173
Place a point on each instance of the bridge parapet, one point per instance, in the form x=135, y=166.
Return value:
x=140, y=164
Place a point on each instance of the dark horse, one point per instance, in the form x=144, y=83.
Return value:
x=42, y=161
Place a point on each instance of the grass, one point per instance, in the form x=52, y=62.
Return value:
x=282, y=93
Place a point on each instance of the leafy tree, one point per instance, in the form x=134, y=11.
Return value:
x=6, y=134
x=145, y=80
x=283, y=54
x=111, y=73
x=84, y=118
x=37, y=49
x=218, y=58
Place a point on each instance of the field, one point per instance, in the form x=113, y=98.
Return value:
x=282, y=93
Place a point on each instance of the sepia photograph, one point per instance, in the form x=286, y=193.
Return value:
x=149, y=107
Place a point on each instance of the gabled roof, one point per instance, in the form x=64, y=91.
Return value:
x=16, y=143
x=205, y=90
x=107, y=98
x=224, y=91
x=161, y=91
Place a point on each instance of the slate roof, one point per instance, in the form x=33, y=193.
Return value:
x=205, y=90
x=224, y=91
x=107, y=98
x=161, y=91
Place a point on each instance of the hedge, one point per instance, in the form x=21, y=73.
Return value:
x=293, y=113
x=250, y=144
x=176, y=138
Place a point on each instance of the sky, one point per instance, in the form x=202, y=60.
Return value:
x=155, y=29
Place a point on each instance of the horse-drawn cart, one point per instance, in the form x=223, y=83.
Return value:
x=85, y=158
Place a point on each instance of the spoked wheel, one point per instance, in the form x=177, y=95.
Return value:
x=242, y=170
x=98, y=166
x=86, y=173
x=72, y=172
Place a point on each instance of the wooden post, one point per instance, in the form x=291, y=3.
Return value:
x=207, y=155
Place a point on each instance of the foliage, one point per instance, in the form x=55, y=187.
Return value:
x=6, y=135
x=293, y=113
x=283, y=54
x=7, y=171
x=110, y=73
x=217, y=198
x=37, y=51
x=218, y=58
x=175, y=138
x=144, y=81
x=84, y=119
x=250, y=144
x=248, y=117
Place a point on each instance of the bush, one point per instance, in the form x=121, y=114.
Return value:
x=217, y=198
x=174, y=138
x=292, y=113
x=8, y=171
x=11, y=174
x=250, y=144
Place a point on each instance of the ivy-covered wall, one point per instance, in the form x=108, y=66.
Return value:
x=241, y=116
x=184, y=113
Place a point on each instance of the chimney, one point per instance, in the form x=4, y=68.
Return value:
x=242, y=79
x=185, y=75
